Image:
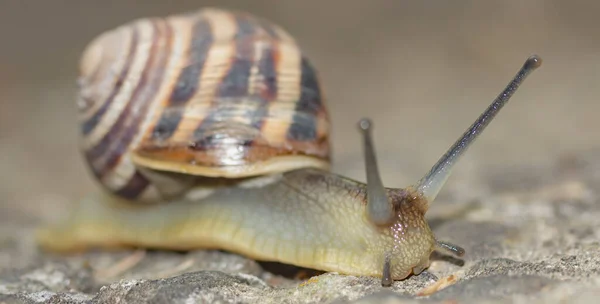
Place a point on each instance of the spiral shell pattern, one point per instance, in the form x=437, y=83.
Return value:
x=212, y=92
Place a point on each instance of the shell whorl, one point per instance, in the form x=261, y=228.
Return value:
x=213, y=92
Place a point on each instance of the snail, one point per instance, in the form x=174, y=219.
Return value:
x=210, y=130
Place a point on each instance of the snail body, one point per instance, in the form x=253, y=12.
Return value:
x=304, y=217
x=210, y=130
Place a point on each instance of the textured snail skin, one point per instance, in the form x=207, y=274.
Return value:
x=307, y=217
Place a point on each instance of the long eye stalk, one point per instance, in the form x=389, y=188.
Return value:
x=379, y=208
x=431, y=184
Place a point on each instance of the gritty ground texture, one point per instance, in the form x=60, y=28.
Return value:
x=524, y=201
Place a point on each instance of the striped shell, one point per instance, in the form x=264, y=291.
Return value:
x=210, y=93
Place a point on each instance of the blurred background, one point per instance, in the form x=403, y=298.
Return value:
x=422, y=70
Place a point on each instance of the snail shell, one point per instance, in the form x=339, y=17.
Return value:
x=209, y=93
x=217, y=100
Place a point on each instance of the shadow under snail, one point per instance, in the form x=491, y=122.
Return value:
x=209, y=130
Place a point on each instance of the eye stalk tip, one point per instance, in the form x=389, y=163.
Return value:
x=533, y=62
x=365, y=124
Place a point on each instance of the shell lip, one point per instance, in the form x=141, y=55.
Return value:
x=272, y=165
